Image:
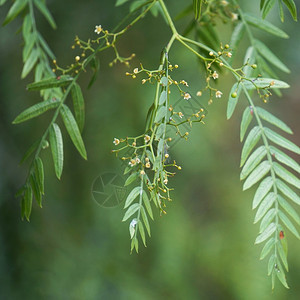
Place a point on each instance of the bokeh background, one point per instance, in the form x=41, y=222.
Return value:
x=75, y=249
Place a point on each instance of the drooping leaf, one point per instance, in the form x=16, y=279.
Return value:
x=265, y=25
x=288, y=192
x=161, y=113
x=289, y=225
x=50, y=83
x=232, y=101
x=45, y=46
x=246, y=120
x=270, y=56
x=131, y=178
x=147, y=204
x=282, y=255
x=250, y=142
x=267, y=7
x=262, y=191
x=130, y=211
x=265, y=206
x=289, y=209
x=29, y=63
x=30, y=151
x=236, y=37
x=253, y=160
x=290, y=4
x=27, y=202
x=36, y=189
x=285, y=159
x=281, y=141
x=44, y=10
x=249, y=59
x=120, y=2
x=197, y=5
x=145, y=220
x=286, y=175
x=78, y=104
x=56, y=143
x=261, y=83
x=132, y=195
x=73, y=130
x=267, y=219
x=266, y=234
x=162, y=98
x=39, y=174
x=267, y=248
x=142, y=232
x=31, y=39
x=15, y=10
x=271, y=264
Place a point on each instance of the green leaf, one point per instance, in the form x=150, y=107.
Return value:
x=281, y=141
x=56, y=143
x=45, y=47
x=262, y=191
x=236, y=36
x=162, y=98
x=73, y=130
x=265, y=25
x=290, y=4
x=267, y=7
x=281, y=276
x=131, y=178
x=265, y=115
x=145, y=220
x=142, y=232
x=286, y=175
x=232, y=101
x=2, y=2
x=267, y=248
x=254, y=159
x=265, y=206
x=271, y=264
x=251, y=140
x=36, y=189
x=288, y=192
x=261, y=83
x=120, y=2
x=50, y=83
x=147, y=204
x=282, y=255
x=266, y=234
x=285, y=159
x=35, y=110
x=164, y=81
x=289, y=225
x=30, y=151
x=270, y=56
x=197, y=5
x=267, y=219
x=39, y=173
x=78, y=104
x=246, y=120
x=130, y=211
x=29, y=63
x=262, y=3
x=14, y=11
x=95, y=66
x=44, y=10
x=132, y=195
x=281, y=13
x=30, y=41
x=27, y=202
x=249, y=59
x=289, y=209
x=161, y=113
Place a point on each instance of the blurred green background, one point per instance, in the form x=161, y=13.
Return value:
x=75, y=249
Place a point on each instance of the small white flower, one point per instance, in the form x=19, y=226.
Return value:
x=219, y=94
x=137, y=160
x=136, y=70
x=229, y=54
x=215, y=75
x=234, y=16
x=211, y=53
x=98, y=29
x=184, y=82
x=199, y=94
x=116, y=141
x=132, y=162
x=147, y=138
x=180, y=114
x=166, y=181
x=187, y=96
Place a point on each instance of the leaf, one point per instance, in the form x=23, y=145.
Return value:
x=265, y=206
x=262, y=191
x=56, y=143
x=282, y=255
x=266, y=234
x=161, y=113
x=267, y=7
x=262, y=83
x=160, y=131
x=39, y=173
x=232, y=101
x=286, y=175
x=164, y=81
x=281, y=141
x=289, y=225
x=120, y=2
x=27, y=202
x=285, y=159
x=95, y=65
x=142, y=232
x=73, y=130
x=265, y=115
x=197, y=4
x=267, y=219
x=132, y=195
x=131, y=178
x=254, y=159
x=290, y=4
x=78, y=104
x=251, y=140
x=271, y=264
x=246, y=120
x=30, y=151
x=162, y=98
x=281, y=13
x=270, y=56
x=281, y=276
x=14, y=11
x=145, y=219
x=30, y=41
x=147, y=204
x=2, y=2
x=265, y=25
x=289, y=209
x=130, y=211
x=287, y=191
x=267, y=248
x=35, y=110
x=50, y=83
x=29, y=63
x=45, y=46
x=257, y=174
x=236, y=36
x=44, y=10
x=36, y=189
